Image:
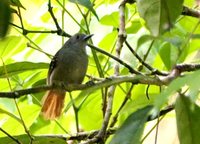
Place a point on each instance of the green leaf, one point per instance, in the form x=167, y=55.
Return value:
x=106, y=42
x=11, y=45
x=144, y=39
x=29, y=113
x=132, y=129
x=191, y=80
x=87, y=4
x=25, y=139
x=159, y=15
x=165, y=52
x=133, y=26
x=89, y=115
x=19, y=67
x=3, y=111
x=16, y=3
x=111, y=19
x=188, y=120
x=5, y=16
x=168, y=54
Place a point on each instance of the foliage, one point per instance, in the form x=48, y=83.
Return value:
x=158, y=32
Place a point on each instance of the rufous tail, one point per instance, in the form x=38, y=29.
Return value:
x=53, y=102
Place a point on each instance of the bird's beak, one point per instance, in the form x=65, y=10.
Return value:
x=87, y=37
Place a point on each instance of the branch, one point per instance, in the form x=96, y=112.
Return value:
x=113, y=80
x=131, y=70
x=190, y=12
x=178, y=70
x=153, y=70
x=26, y=31
x=109, y=81
x=59, y=30
x=187, y=67
x=10, y=136
x=121, y=38
x=19, y=93
x=161, y=113
x=78, y=136
x=127, y=97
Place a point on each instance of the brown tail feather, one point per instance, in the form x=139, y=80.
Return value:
x=53, y=104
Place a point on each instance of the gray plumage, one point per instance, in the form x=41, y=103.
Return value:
x=68, y=66
x=70, y=63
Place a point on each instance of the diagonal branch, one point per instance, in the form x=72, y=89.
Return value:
x=132, y=70
x=59, y=30
x=153, y=70
x=190, y=12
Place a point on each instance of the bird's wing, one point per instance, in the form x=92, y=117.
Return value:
x=52, y=66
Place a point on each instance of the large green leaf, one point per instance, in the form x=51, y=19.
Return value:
x=165, y=53
x=106, y=42
x=168, y=54
x=87, y=4
x=188, y=120
x=89, y=115
x=159, y=15
x=3, y=111
x=111, y=19
x=11, y=45
x=29, y=114
x=19, y=67
x=191, y=80
x=132, y=129
x=24, y=139
x=5, y=16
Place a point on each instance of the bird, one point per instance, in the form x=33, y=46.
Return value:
x=68, y=66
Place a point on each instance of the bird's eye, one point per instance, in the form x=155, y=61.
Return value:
x=77, y=37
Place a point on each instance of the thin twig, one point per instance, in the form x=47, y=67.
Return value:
x=20, y=18
x=63, y=21
x=186, y=41
x=153, y=70
x=36, y=31
x=149, y=132
x=146, y=54
x=138, y=57
x=47, y=54
x=22, y=120
x=75, y=112
x=161, y=113
x=69, y=15
x=157, y=126
x=59, y=30
x=10, y=136
x=23, y=123
x=61, y=127
x=128, y=95
x=115, y=58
